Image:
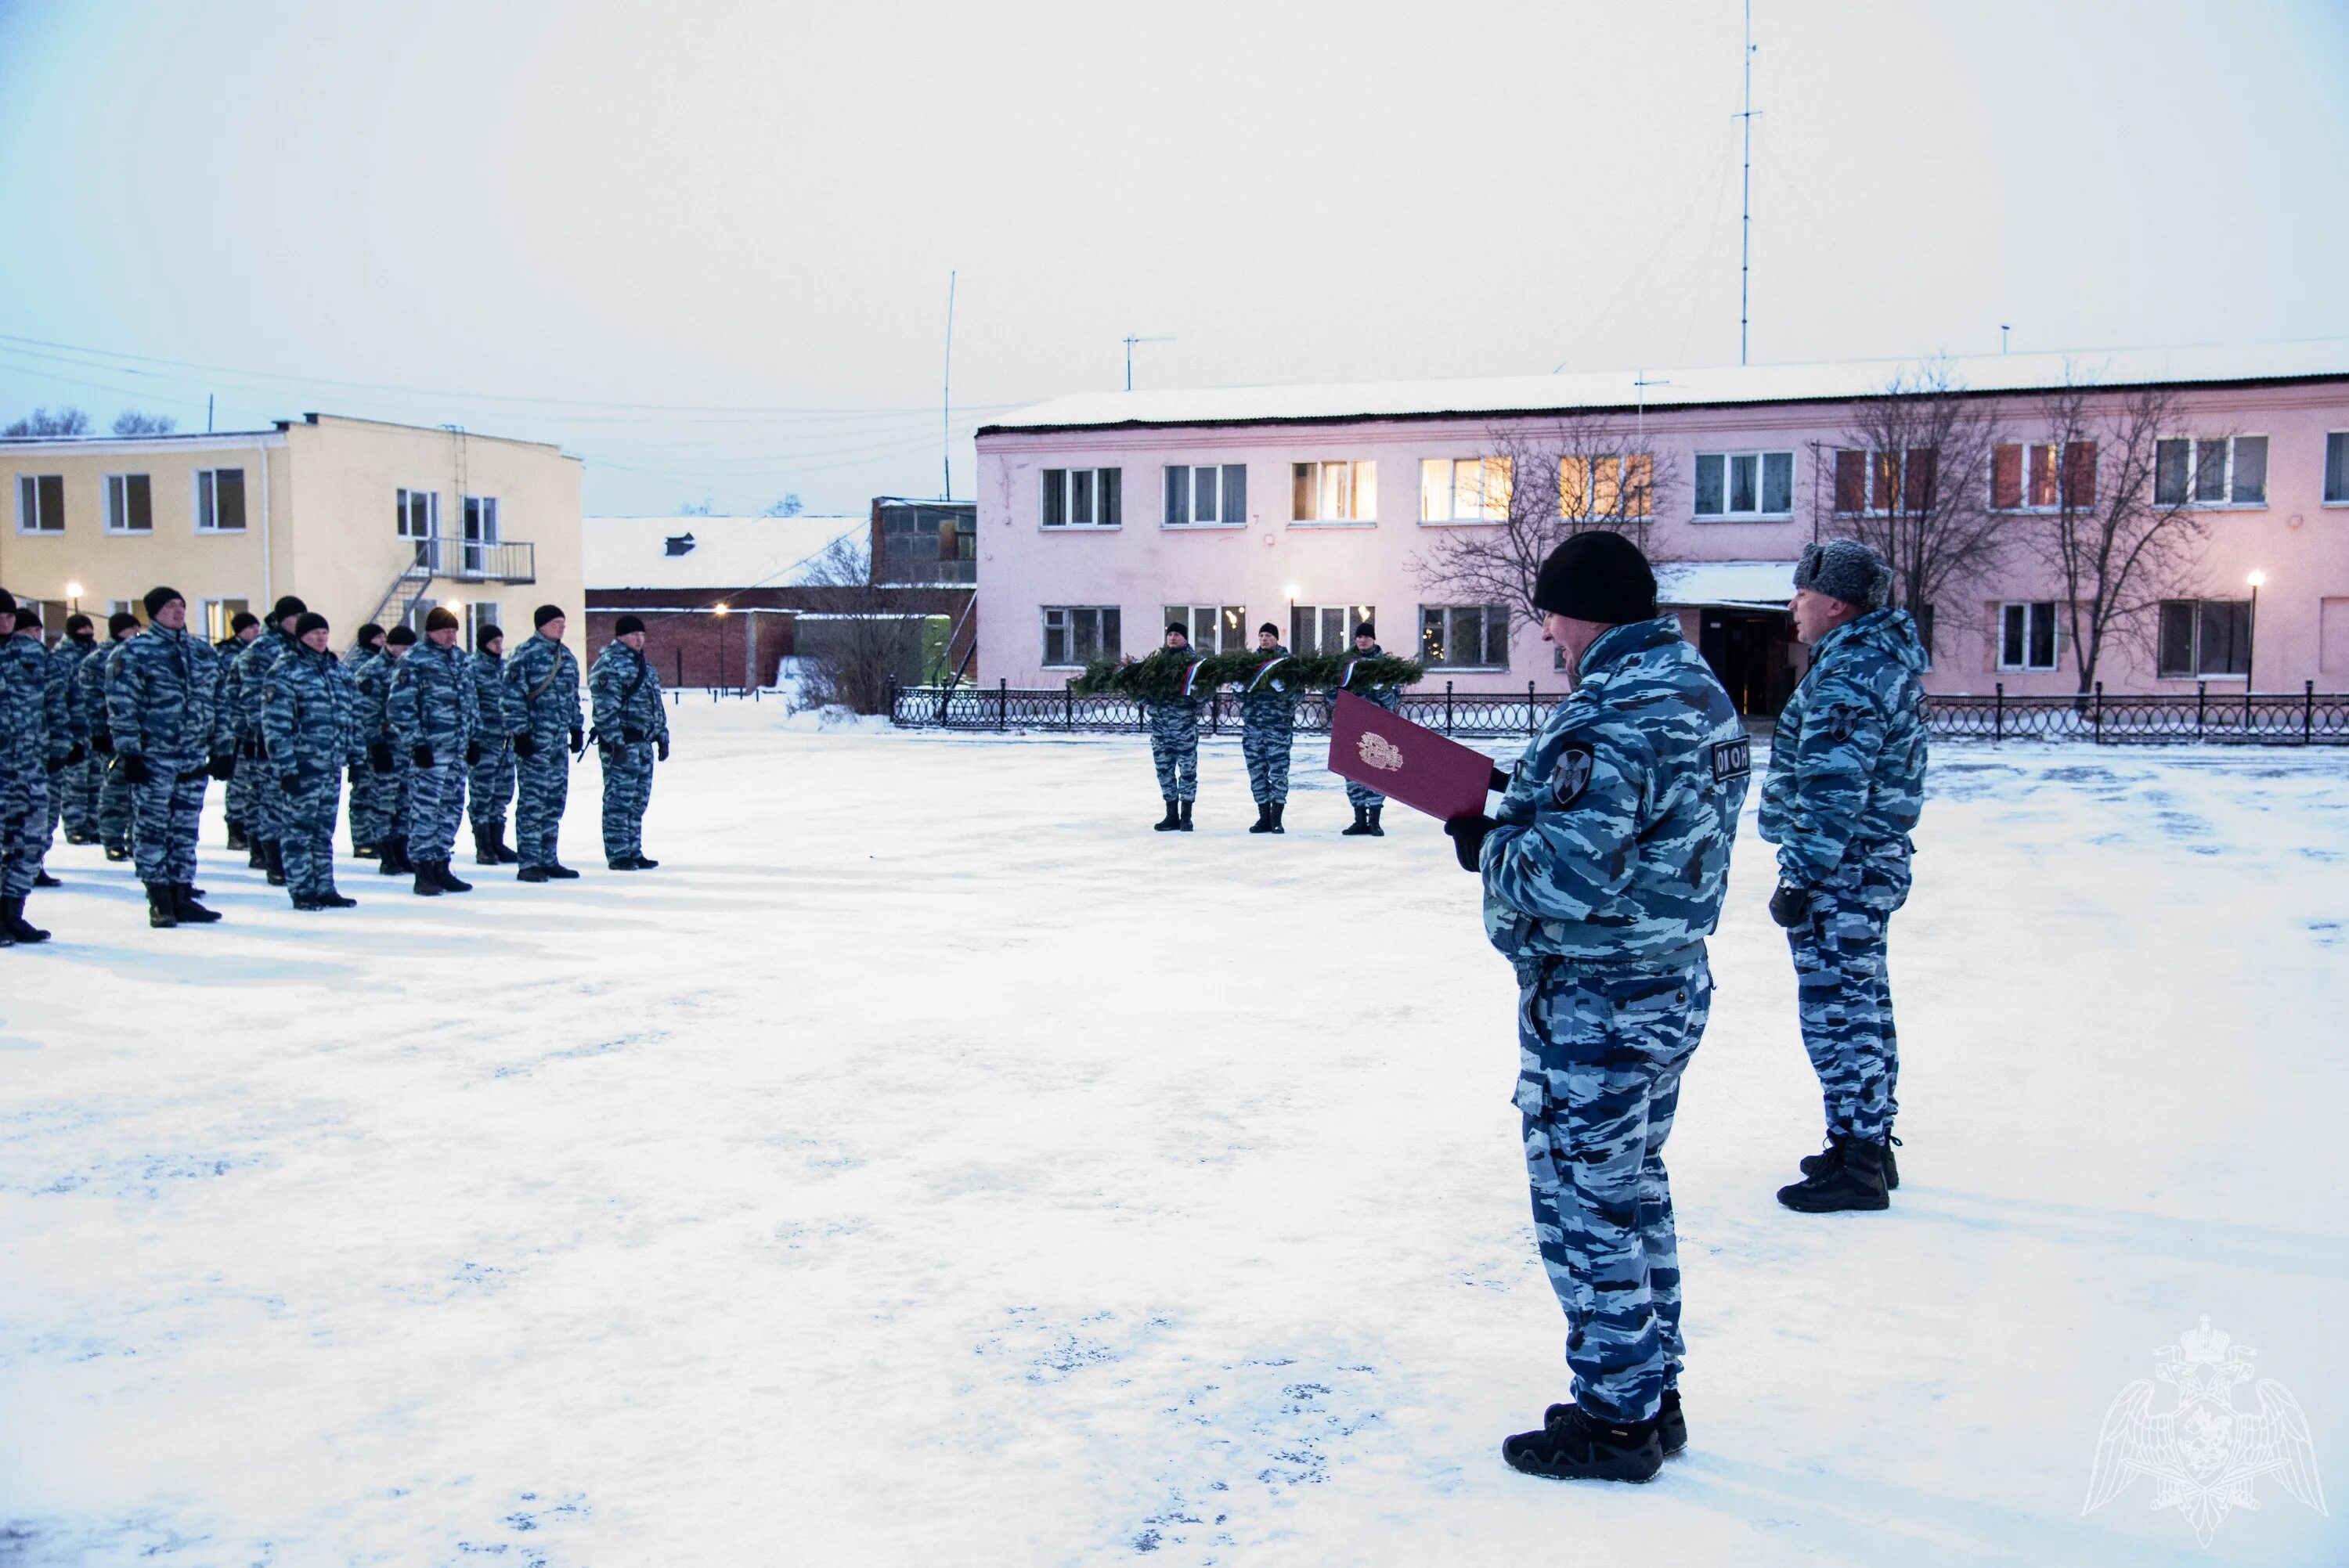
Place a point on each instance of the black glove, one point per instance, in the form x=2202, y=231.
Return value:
x=578, y=741
x=252, y=749
x=135, y=770
x=421, y=756
x=1499, y=780
x=633, y=737
x=290, y=782
x=660, y=749
x=473, y=752
x=53, y=764
x=1468, y=838
x=525, y=746
x=380, y=757
x=1790, y=905
x=77, y=754
x=102, y=743
x=223, y=767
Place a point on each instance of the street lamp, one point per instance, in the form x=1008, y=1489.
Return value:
x=2252, y=633
x=73, y=595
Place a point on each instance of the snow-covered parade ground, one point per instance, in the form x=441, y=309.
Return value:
x=930, y=1164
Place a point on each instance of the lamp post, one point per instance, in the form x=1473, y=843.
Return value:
x=1293, y=592
x=73, y=596
x=2251, y=632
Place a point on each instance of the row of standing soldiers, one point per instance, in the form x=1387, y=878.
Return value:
x=118, y=741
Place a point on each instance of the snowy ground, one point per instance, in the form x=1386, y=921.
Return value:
x=929, y=1165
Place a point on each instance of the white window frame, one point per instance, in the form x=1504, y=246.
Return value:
x=1447, y=510
x=1096, y=498
x=117, y=505
x=205, y=500
x=217, y=615
x=2197, y=673
x=2195, y=447
x=1225, y=483
x=1069, y=627
x=1485, y=613
x=404, y=504
x=32, y=518
x=1760, y=457
x=480, y=613
x=2335, y=441
x=1230, y=620
x=2032, y=611
x=1342, y=482
x=472, y=552
x=1349, y=617
x=1593, y=465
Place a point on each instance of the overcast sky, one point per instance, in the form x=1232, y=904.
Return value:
x=706, y=246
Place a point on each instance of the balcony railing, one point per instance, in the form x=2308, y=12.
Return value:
x=469, y=561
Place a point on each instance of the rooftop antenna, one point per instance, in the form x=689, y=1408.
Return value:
x=1130, y=342
x=1642, y=382
x=946, y=398
x=1745, y=194
x=2002, y=337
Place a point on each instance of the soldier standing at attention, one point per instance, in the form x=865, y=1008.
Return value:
x=63, y=747
x=489, y=783
x=542, y=713
x=367, y=784
x=387, y=767
x=161, y=704
x=252, y=666
x=74, y=792
x=242, y=631
x=434, y=713
x=309, y=737
x=1845, y=786
x=32, y=747
x=1267, y=731
x=632, y=728
x=1367, y=802
x=1174, y=742
x=111, y=813
x=1603, y=876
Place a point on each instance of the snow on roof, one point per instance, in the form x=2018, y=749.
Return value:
x=2303, y=359
x=1733, y=584
x=727, y=552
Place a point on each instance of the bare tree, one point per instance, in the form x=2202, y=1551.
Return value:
x=41, y=422
x=2117, y=534
x=1570, y=476
x=131, y=422
x=1910, y=480
x=859, y=642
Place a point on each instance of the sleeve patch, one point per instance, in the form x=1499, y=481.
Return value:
x=1843, y=722
x=1731, y=759
x=1570, y=776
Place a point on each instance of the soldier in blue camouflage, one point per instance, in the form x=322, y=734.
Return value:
x=1269, y=731
x=542, y=713
x=387, y=768
x=489, y=783
x=34, y=742
x=1173, y=721
x=58, y=708
x=168, y=732
x=73, y=793
x=1367, y=803
x=435, y=715
x=631, y=729
x=238, y=812
x=1845, y=786
x=1604, y=871
x=309, y=740
x=109, y=789
x=254, y=664
x=366, y=813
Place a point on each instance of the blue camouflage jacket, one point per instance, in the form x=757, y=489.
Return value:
x=90, y=681
x=542, y=694
x=431, y=701
x=488, y=670
x=1613, y=838
x=1848, y=758
x=33, y=719
x=162, y=690
x=371, y=698
x=65, y=661
x=248, y=679
x=308, y=716
x=626, y=694
x=1387, y=697
x=1267, y=701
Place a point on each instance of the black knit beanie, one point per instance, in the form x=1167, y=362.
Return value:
x=122, y=621
x=370, y=636
x=442, y=619
x=311, y=621
x=1597, y=576
x=288, y=605
x=159, y=597
x=402, y=636
x=242, y=619
x=543, y=613
x=625, y=624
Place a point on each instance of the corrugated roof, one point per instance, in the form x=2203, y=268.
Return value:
x=728, y=553
x=2307, y=359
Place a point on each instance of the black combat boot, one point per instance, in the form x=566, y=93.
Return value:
x=485, y=852
x=1579, y=1446
x=1263, y=817
x=184, y=907
x=13, y=921
x=1377, y=831
x=1278, y=808
x=330, y=899
x=1855, y=1181
x=532, y=874
x=304, y=901
x=558, y=871
x=640, y=861
x=393, y=860
x=363, y=852
x=504, y=852
x=1362, y=823
x=256, y=854
x=41, y=878
x=117, y=851
x=1672, y=1427
x=1184, y=826
x=277, y=853
x=448, y=879
x=1171, y=822
x=160, y=913
x=427, y=885
x=236, y=837
x=1824, y=1160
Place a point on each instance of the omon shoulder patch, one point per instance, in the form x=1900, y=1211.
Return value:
x=1731, y=759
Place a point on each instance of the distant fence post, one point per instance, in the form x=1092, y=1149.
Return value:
x=2201, y=705
x=2100, y=713
x=1447, y=707
x=1998, y=713
x=1532, y=728
x=1068, y=704
x=2307, y=712
x=893, y=700
x=1002, y=702
x=680, y=667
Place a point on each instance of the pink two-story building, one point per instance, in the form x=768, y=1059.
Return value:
x=1101, y=516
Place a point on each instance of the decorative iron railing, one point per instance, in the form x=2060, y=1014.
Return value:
x=2309, y=717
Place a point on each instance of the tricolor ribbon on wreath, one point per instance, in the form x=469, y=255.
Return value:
x=1265, y=669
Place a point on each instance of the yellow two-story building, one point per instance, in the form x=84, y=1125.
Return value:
x=363, y=521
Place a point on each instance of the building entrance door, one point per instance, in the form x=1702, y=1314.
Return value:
x=1753, y=652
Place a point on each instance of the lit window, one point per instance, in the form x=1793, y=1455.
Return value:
x=1464, y=490
x=1333, y=492
x=1611, y=487
x=1464, y=636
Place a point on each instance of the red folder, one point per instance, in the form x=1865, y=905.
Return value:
x=1431, y=772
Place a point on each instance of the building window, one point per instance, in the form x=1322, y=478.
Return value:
x=1080, y=634
x=1591, y=486
x=40, y=503
x=2041, y=477
x=481, y=512
x=2227, y=470
x=420, y=513
x=2337, y=466
x=219, y=612
x=220, y=500
x=1207, y=494
x=135, y=608
x=928, y=544
x=2027, y=636
x=1212, y=628
x=2205, y=637
x=1326, y=628
x=1745, y=484
x=129, y=504
x=1464, y=490
x=1333, y=492
x=1082, y=497
x=479, y=614
x=1464, y=636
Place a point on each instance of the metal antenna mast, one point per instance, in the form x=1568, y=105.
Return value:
x=1130, y=342
x=1745, y=194
x=946, y=398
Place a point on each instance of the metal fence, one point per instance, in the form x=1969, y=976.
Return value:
x=2308, y=718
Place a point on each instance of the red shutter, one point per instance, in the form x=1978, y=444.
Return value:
x=1916, y=483
x=1851, y=481
x=2080, y=473
x=2005, y=477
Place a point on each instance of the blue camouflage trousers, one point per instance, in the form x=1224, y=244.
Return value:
x=1363, y=795
x=542, y=788
x=167, y=813
x=490, y=784
x=436, y=804
x=627, y=790
x=305, y=830
x=24, y=828
x=114, y=807
x=1266, y=750
x=261, y=797
x=243, y=785
x=1601, y=1052
x=82, y=782
x=1844, y=992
